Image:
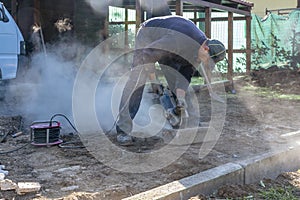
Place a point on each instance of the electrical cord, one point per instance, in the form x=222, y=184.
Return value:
x=3, y=138
x=67, y=145
x=13, y=150
x=62, y=115
x=71, y=145
x=39, y=139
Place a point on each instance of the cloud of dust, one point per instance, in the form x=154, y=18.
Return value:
x=153, y=7
x=45, y=86
x=100, y=7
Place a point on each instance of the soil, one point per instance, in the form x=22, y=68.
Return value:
x=285, y=186
x=280, y=79
x=254, y=124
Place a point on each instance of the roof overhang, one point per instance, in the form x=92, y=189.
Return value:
x=235, y=6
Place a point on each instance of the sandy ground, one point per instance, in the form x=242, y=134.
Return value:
x=253, y=125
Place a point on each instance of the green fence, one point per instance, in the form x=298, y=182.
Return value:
x=276, y=40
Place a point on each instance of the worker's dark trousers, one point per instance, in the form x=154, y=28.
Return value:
x=143, y=64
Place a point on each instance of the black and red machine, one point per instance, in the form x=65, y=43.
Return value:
x=45, y=133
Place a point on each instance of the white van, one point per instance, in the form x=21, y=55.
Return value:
x=12, y=45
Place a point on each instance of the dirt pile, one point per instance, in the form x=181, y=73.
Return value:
x=10, y=125
x=284, y=80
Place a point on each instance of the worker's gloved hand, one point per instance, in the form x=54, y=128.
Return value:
x=172, y=117
x=181, y=102
x=176, y=115
x=181, y=107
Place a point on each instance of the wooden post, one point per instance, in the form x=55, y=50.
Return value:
x=179, y=7
x=298, y=4
x=105, y=33
x=138, y=13
x=230, y=48
x=195, y=16
x=37, y=17
x=14, y=10
x=208, y=22
x=248, y=44
x=126, y=28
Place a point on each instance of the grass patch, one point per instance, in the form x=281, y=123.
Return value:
x=279, y=193
x=197, y=81
x=266, y=92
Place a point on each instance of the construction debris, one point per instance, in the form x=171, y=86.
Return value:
x=17, y=134
x=7, y=184
x=70, y=188
x=21, y=188
x=27, y=187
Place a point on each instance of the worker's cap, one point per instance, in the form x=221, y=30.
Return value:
x=217, y=50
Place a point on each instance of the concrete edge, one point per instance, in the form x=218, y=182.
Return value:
x=270, y=164
x=266, y=165
x=182, y=188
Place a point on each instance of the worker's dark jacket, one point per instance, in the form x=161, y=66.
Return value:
x=172, y=41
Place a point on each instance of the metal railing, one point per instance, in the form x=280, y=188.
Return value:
x=284, y=11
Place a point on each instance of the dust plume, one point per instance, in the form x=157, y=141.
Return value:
x=45, y=85
x=100, y=7
x=154, y=8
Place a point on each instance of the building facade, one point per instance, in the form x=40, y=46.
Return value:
x=260, y=6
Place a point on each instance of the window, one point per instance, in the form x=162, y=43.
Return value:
x=122, y=20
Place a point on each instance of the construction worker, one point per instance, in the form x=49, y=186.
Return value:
x=179, y=46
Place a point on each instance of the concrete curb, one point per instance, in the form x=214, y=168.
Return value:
x=270, y=164
x=267, y=165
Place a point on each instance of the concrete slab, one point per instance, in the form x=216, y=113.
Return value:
x=185, y=136
x=270, y=164
x=203, y=182
x=291, y=134
x=216, y=85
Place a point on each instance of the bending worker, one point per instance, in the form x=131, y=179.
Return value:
x=179, y=46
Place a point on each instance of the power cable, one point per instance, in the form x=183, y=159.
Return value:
x=62, y=115
x=13, y=150
x=42, y=139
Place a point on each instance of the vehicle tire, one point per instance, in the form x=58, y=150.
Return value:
x=3, y=88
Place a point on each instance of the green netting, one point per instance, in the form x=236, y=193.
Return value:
x=276, y=40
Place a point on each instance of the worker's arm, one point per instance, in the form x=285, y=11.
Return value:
x=206, y=62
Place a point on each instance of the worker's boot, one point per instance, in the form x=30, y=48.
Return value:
x=123, y=138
